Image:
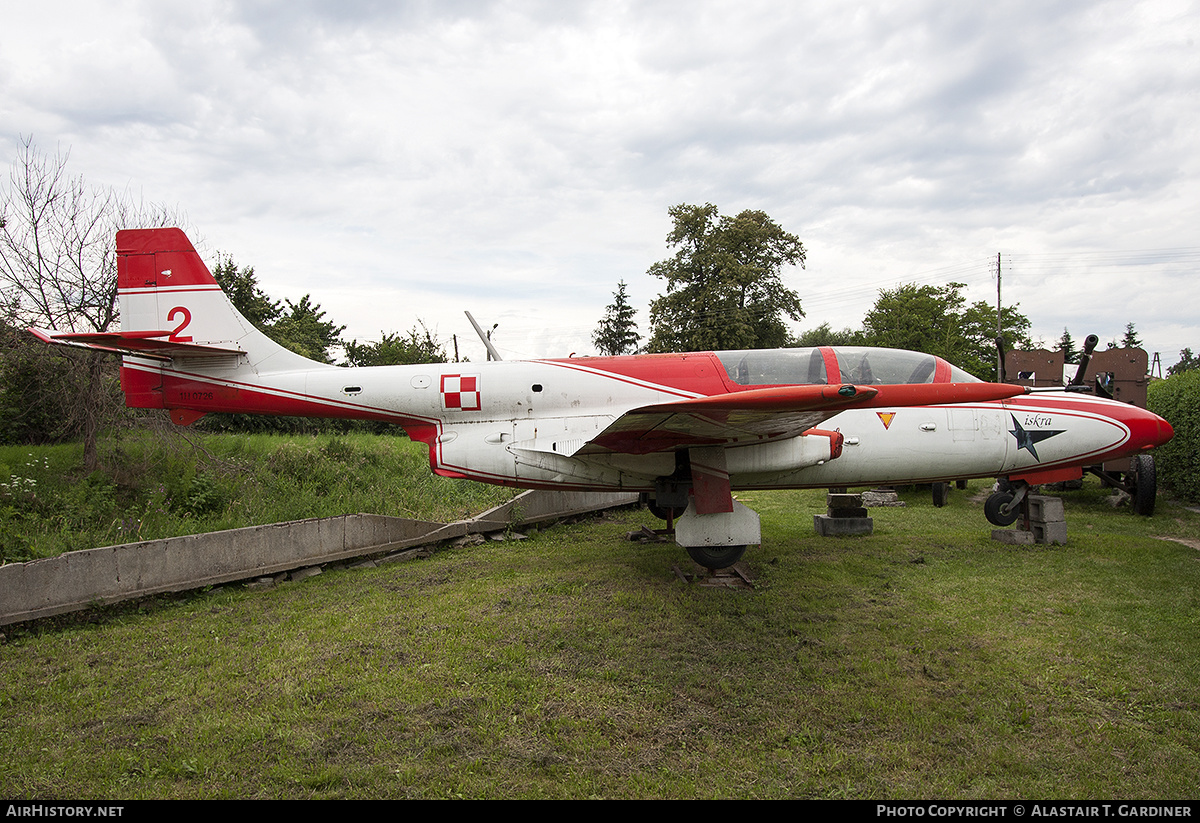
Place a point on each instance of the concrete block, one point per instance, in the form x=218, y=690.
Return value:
x=880, y=497
x=76, y=580
x=1043, y=509
x=843, y=501
x=848, y=511
x=1014, y=537
x=1049, y=533
x=827, y=526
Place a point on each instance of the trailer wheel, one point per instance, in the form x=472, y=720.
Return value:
x=1145, y=485
x=941, y=494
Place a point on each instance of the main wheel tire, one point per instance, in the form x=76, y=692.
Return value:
x=1145, y=485
x=992, y=509
x=716, y=557
x=941, y=494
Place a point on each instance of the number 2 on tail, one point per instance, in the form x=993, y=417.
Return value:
x=187, y=318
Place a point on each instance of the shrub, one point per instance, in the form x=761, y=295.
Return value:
x=1177, y=399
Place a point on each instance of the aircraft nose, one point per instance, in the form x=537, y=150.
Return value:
x=1149, y=430
x=1165, y=431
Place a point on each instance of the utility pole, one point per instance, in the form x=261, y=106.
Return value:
x=999, y=330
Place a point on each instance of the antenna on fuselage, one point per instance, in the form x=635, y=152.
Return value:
x=487, y=342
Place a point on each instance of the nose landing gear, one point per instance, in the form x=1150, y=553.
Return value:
x=1004, y=506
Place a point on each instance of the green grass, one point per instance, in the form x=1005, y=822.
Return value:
x=923, y=661
x=168, y=484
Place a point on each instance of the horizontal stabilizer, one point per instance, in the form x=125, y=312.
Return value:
x=141, y=343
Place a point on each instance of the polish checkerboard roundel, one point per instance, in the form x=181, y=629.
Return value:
x=460, y=392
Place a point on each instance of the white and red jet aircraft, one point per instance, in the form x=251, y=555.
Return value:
x=686, y=429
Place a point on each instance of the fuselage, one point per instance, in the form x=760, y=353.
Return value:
x=526, y=423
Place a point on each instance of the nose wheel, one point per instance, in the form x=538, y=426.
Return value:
x=1145, y=485
x=1003, y=507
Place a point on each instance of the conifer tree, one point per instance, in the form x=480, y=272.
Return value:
x=617, y=332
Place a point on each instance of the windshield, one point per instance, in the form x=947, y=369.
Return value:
x=855, y=364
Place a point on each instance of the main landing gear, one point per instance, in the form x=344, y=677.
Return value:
x=710, y=539
x=716, y=557
x=711, y=557
x=696, y=499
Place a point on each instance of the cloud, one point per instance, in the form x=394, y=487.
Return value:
x=520, y=156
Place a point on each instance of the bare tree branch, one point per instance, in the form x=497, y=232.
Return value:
x=58, y=268
x=57, y=242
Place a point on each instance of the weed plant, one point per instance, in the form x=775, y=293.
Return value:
x=167, y=484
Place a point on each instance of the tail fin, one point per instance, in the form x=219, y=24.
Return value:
x=182, y=333
x=187, y=349
x=169, y=297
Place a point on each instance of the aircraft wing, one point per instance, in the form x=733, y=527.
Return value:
x=778, y=412
x=141, y=343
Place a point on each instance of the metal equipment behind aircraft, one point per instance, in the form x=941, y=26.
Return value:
x=686, y=429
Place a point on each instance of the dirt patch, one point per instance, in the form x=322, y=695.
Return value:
x=1187, y=541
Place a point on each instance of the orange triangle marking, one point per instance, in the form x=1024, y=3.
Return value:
x=886, y=417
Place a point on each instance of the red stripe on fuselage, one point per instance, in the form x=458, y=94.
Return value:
x=687, y=375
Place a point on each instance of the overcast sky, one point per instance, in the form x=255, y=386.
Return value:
x=409, y=160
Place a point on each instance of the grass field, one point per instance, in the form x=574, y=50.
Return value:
x=923, y=661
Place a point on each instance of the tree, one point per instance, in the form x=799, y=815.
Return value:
x=937, y=320
x=1066, y=345
x=58, y=269
x=918, y=318
x=304, y=329
x=724, y=284
x=418, y=346
x=979, y=329
x=617, y=332
x=1130, y=340
x=824, y=335
x=241, y=286
x=34, y=407
x=1187, y=362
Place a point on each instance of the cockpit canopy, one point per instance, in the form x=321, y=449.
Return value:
x=860, y=365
